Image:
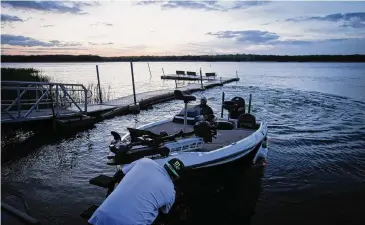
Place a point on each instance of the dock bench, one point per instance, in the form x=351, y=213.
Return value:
x=209, y=75
x=189, y=73
x=180, y=72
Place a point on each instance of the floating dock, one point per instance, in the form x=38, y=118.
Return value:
x=147, y=99
x=104, y=110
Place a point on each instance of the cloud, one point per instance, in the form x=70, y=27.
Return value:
x=204, y=5
x=150, y=2
x=48, y=6
x=354, y=20
x=9, y=18
x=108, y=43
x=19, y=40
x=100, y=23
x=256, y=38
x=247, y=36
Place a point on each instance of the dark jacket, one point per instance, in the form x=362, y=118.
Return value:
x=205, y=110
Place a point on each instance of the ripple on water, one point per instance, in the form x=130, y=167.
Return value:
x=315, y=141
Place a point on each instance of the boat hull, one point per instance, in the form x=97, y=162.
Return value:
x=206, y=177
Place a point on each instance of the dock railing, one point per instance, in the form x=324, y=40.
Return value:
x=21, y=99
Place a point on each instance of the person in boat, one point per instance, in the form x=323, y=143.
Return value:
x=205, y=110
x=145, y=188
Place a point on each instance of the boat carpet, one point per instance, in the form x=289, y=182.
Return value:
x=224, y=137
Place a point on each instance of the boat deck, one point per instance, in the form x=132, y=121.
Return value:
x=223, y=137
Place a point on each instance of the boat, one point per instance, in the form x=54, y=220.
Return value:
x=202, y=144
x=210, y=147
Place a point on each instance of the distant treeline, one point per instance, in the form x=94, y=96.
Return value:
x=208, y=58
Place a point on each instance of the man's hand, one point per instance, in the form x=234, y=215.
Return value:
x=118, y=176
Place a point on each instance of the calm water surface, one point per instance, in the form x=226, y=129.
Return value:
x=316, y=162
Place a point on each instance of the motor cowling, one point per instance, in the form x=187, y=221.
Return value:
x=117, y=146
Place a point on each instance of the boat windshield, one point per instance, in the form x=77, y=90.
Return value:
x=193, y=111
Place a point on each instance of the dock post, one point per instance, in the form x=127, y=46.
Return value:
x=249, y=104
x=236, y=75
x=134, y=89
x=18, y=100
x=163, y=72
x=149, y=68
x=56, y=102
x=175, y=84
x=36, y=98
x=85, y=95
x=201, y=78
x=221, y=81
x=222, y=104
x=97, y=73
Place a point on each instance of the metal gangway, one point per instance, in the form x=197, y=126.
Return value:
x=27, y=101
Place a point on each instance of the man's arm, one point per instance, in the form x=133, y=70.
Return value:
x=119, y=175
x=128, y=167
x=209, y=110
x=166, y=208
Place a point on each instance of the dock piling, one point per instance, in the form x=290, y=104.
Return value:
x=163, y=72
x=249, y=104
x=222, y=104
x=201, y=78
x=18, y=100
x=56, y=100
x=97, y=73
x=134, y=89
x=36, y=98
x=149, y=68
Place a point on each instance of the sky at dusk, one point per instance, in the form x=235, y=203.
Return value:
x=130, y=28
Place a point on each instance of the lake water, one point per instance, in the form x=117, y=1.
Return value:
x=316, y=161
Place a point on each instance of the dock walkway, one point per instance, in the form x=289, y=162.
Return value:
x=120, y=105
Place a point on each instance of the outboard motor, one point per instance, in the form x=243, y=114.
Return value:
x=116, y=145
x=205, y=130
x=235, y=107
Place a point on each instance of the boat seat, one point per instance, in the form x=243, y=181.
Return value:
x=225, y=125
x=179, y=95
x=246, y=121
x=239, y=101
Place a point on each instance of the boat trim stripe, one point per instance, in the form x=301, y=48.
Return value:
x=248, y=150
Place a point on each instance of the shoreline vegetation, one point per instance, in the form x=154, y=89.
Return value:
x=207, y=58
x=23, y=74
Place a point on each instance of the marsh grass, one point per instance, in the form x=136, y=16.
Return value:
x=23, y=74
x=93, y=95
x=20, y=74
